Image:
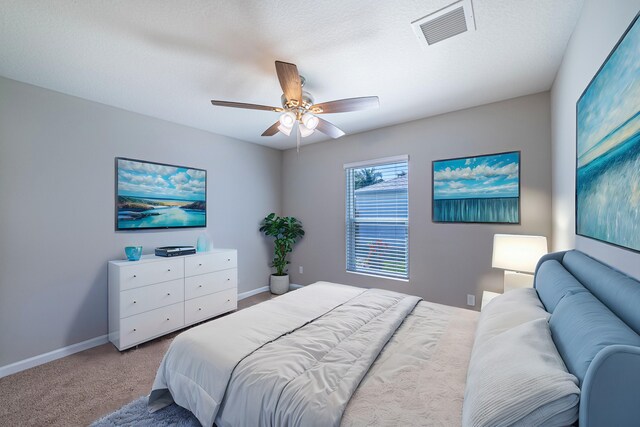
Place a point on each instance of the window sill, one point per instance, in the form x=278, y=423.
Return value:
x=379, y=276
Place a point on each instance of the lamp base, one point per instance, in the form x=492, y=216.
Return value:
x=515, y=280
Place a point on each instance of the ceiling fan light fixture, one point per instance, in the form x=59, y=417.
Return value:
x=286, y=130
x=287, y=120
x=299, y=108
x=305, y=131
x=310, y=121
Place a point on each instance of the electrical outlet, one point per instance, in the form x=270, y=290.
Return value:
x=471, y=300
x=301, y=270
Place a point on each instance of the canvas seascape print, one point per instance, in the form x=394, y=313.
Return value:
x=155, y=195
x=608, y=148
x=480, y=189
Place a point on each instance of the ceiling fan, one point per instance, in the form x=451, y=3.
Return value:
x=298, y=106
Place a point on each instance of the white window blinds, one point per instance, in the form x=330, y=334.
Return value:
x=377, y=221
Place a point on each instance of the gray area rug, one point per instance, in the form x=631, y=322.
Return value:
x=136, y=414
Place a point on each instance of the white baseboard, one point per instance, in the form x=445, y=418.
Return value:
x=252, y=292
x=52, y=355
x=93, y=342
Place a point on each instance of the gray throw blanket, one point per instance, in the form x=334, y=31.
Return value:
x=306, y=378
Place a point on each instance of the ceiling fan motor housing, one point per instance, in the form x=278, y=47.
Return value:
x=307, y=102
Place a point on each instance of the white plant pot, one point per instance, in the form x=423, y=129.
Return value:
x=279, y=284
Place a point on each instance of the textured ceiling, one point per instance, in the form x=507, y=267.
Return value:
x=168, y=59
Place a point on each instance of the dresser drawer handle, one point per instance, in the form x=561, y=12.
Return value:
x=228, y=279
x=134, y=329
x=228, y=300
x=228, y=259
x=200, y=265
x=168, y=293
x=200, y=309
x=167, y=318
x=199, y=286
x=135, y=302
x=168, y=269
x=134, y=276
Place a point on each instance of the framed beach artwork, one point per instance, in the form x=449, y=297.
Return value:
x=608, y=148
x=153, y=195
x=479, y=189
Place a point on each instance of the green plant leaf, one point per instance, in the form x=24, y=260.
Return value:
x=286, y=231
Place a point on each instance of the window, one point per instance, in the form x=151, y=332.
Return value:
x=377, y=225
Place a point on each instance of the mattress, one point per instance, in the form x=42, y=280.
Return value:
x=324, y=355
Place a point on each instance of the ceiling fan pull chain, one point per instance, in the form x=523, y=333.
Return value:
x=298, y=143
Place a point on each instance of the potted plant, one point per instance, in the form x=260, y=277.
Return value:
x=285, y=230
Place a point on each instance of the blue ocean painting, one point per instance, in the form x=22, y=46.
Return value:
x=477, y=189
x=608, y=149
x=152, y=195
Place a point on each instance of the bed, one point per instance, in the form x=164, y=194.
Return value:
x=331, y=354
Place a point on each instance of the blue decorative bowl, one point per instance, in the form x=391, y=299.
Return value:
x=133, y=252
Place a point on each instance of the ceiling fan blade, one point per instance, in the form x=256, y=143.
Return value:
x=246, y=106
x=289, y=81
x=344, y=105
x=328, y=129
x=273, y=129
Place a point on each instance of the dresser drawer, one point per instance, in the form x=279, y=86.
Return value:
x=139, y=300
x=142, y=327
x=136, y=275
x=204, y=284
x=201, y=308
x=208, y=263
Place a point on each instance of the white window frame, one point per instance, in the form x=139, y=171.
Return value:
x=349, y=206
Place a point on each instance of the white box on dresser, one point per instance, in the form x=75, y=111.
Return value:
x=158, y=295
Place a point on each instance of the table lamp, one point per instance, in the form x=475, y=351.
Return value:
x=518, y=255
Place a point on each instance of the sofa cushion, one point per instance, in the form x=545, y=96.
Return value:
x=620, y=293
x=553, y=282
x=581, y=326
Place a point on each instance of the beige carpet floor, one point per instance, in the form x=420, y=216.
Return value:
x=78, y=389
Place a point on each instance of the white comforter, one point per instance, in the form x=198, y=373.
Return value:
x=325, y=360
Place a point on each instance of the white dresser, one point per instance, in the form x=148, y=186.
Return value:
x=157, y=295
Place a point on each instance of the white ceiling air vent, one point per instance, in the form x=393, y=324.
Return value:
x=445, y=23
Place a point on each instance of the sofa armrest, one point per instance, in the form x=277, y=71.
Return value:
x=610, y=392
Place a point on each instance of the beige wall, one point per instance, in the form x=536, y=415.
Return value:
x=600, y=26
x=57, y=214
x=447, y=261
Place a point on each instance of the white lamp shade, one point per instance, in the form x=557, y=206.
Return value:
x=305, y=131
x=310, y=121
x=284, y=129
x=518, y=252
x=287, y=119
